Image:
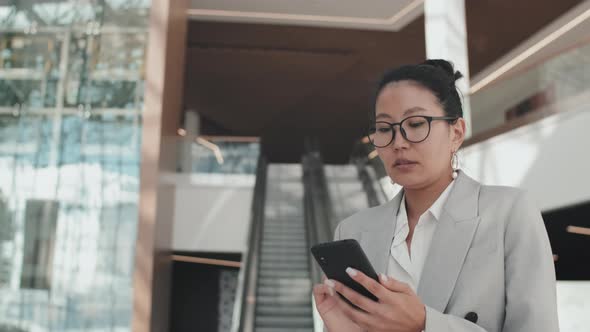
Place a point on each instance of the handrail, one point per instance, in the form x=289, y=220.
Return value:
x=319, y=218
x=370, y=170
x=245, y=302
x=368, y=180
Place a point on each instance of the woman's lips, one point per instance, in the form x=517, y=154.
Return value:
x=404, y=164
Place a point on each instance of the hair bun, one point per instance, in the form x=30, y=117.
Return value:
x=446, y=66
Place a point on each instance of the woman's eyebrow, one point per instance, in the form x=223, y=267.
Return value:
x=408, y=111
x=413, y=110
x=383, y=115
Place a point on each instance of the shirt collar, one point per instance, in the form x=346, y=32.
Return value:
x=435, y=208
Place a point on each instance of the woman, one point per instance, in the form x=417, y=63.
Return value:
x=453, y=254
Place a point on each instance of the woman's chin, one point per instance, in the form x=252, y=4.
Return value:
x=406, y=180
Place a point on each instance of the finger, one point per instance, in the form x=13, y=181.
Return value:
x=325, y=299
x=318, y=294
x=363, y=319
x=331, y=284
x=369, y=283
x=395, y=285
x=323, y=290
x=355, y=298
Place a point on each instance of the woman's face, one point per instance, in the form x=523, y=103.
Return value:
x=417, y=165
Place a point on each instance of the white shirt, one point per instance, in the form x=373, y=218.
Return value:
x=401, y=265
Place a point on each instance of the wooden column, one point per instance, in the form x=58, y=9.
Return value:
x=162, y=113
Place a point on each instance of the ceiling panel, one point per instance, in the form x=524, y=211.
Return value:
x=388, y=15
x=380, y=9
x=285, y=82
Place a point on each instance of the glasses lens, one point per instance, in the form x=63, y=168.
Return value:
x=380, y=134
x=416, y=128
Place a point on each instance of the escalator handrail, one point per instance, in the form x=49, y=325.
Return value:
x=318, y=207
x=245, y=301
x=375, y=196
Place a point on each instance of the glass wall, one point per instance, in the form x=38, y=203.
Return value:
x=225, y=157
x=71, y=95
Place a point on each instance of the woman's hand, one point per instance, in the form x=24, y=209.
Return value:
x=330, y=307
x=399, y=309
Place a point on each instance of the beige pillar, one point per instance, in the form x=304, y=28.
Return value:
x=446, y=38
x=161, y=117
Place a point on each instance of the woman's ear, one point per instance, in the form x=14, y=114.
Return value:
x=458, y=130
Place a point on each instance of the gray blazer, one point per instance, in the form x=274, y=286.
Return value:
x=490, y=255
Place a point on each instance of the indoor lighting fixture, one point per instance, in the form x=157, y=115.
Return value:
x=578, y=230
x=213, y=147
x=373, y=155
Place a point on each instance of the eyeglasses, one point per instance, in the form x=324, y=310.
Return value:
x=414, y=129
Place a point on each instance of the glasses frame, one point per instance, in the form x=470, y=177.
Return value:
x=429, y=119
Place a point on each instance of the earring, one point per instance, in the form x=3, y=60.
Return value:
x=455, y=165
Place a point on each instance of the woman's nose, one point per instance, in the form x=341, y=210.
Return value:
x=399, y=141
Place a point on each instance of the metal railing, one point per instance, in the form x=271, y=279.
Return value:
x=319, y=216
x=245, y=303
x=370, y=171
x=371, y=186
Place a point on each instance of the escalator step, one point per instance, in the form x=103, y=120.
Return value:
x=284, y=321
x=282, y=329
x=284, y=258
x=284, y=282
x=283, y=291
x=278, y=273
x=279, y=310
x=301, y=301
x=282, y=251
x=284, y=266
x=269, y=244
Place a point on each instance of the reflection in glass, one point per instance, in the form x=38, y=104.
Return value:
x=71, y=94
x=231, y=157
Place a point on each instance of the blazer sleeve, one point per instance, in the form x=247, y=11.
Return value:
x=531, y=302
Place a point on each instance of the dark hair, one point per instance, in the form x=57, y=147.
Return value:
x=437, y=75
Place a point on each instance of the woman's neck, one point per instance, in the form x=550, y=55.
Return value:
x=419, y=200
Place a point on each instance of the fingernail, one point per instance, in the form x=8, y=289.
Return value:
x=383, y=277
x=351, y=272
x=329, y=283
x=331, y=291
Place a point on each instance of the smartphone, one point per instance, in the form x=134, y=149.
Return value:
x=334, y=257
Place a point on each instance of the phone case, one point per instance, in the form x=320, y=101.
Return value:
x=334, y=257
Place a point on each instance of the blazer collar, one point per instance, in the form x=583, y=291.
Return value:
x=377, y=237
x=449, y=246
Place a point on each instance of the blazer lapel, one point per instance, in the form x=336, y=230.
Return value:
x=450, y=243
x=377, y=237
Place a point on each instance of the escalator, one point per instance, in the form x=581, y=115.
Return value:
x=284, y=283
x=347, y=192
x=295, y=206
